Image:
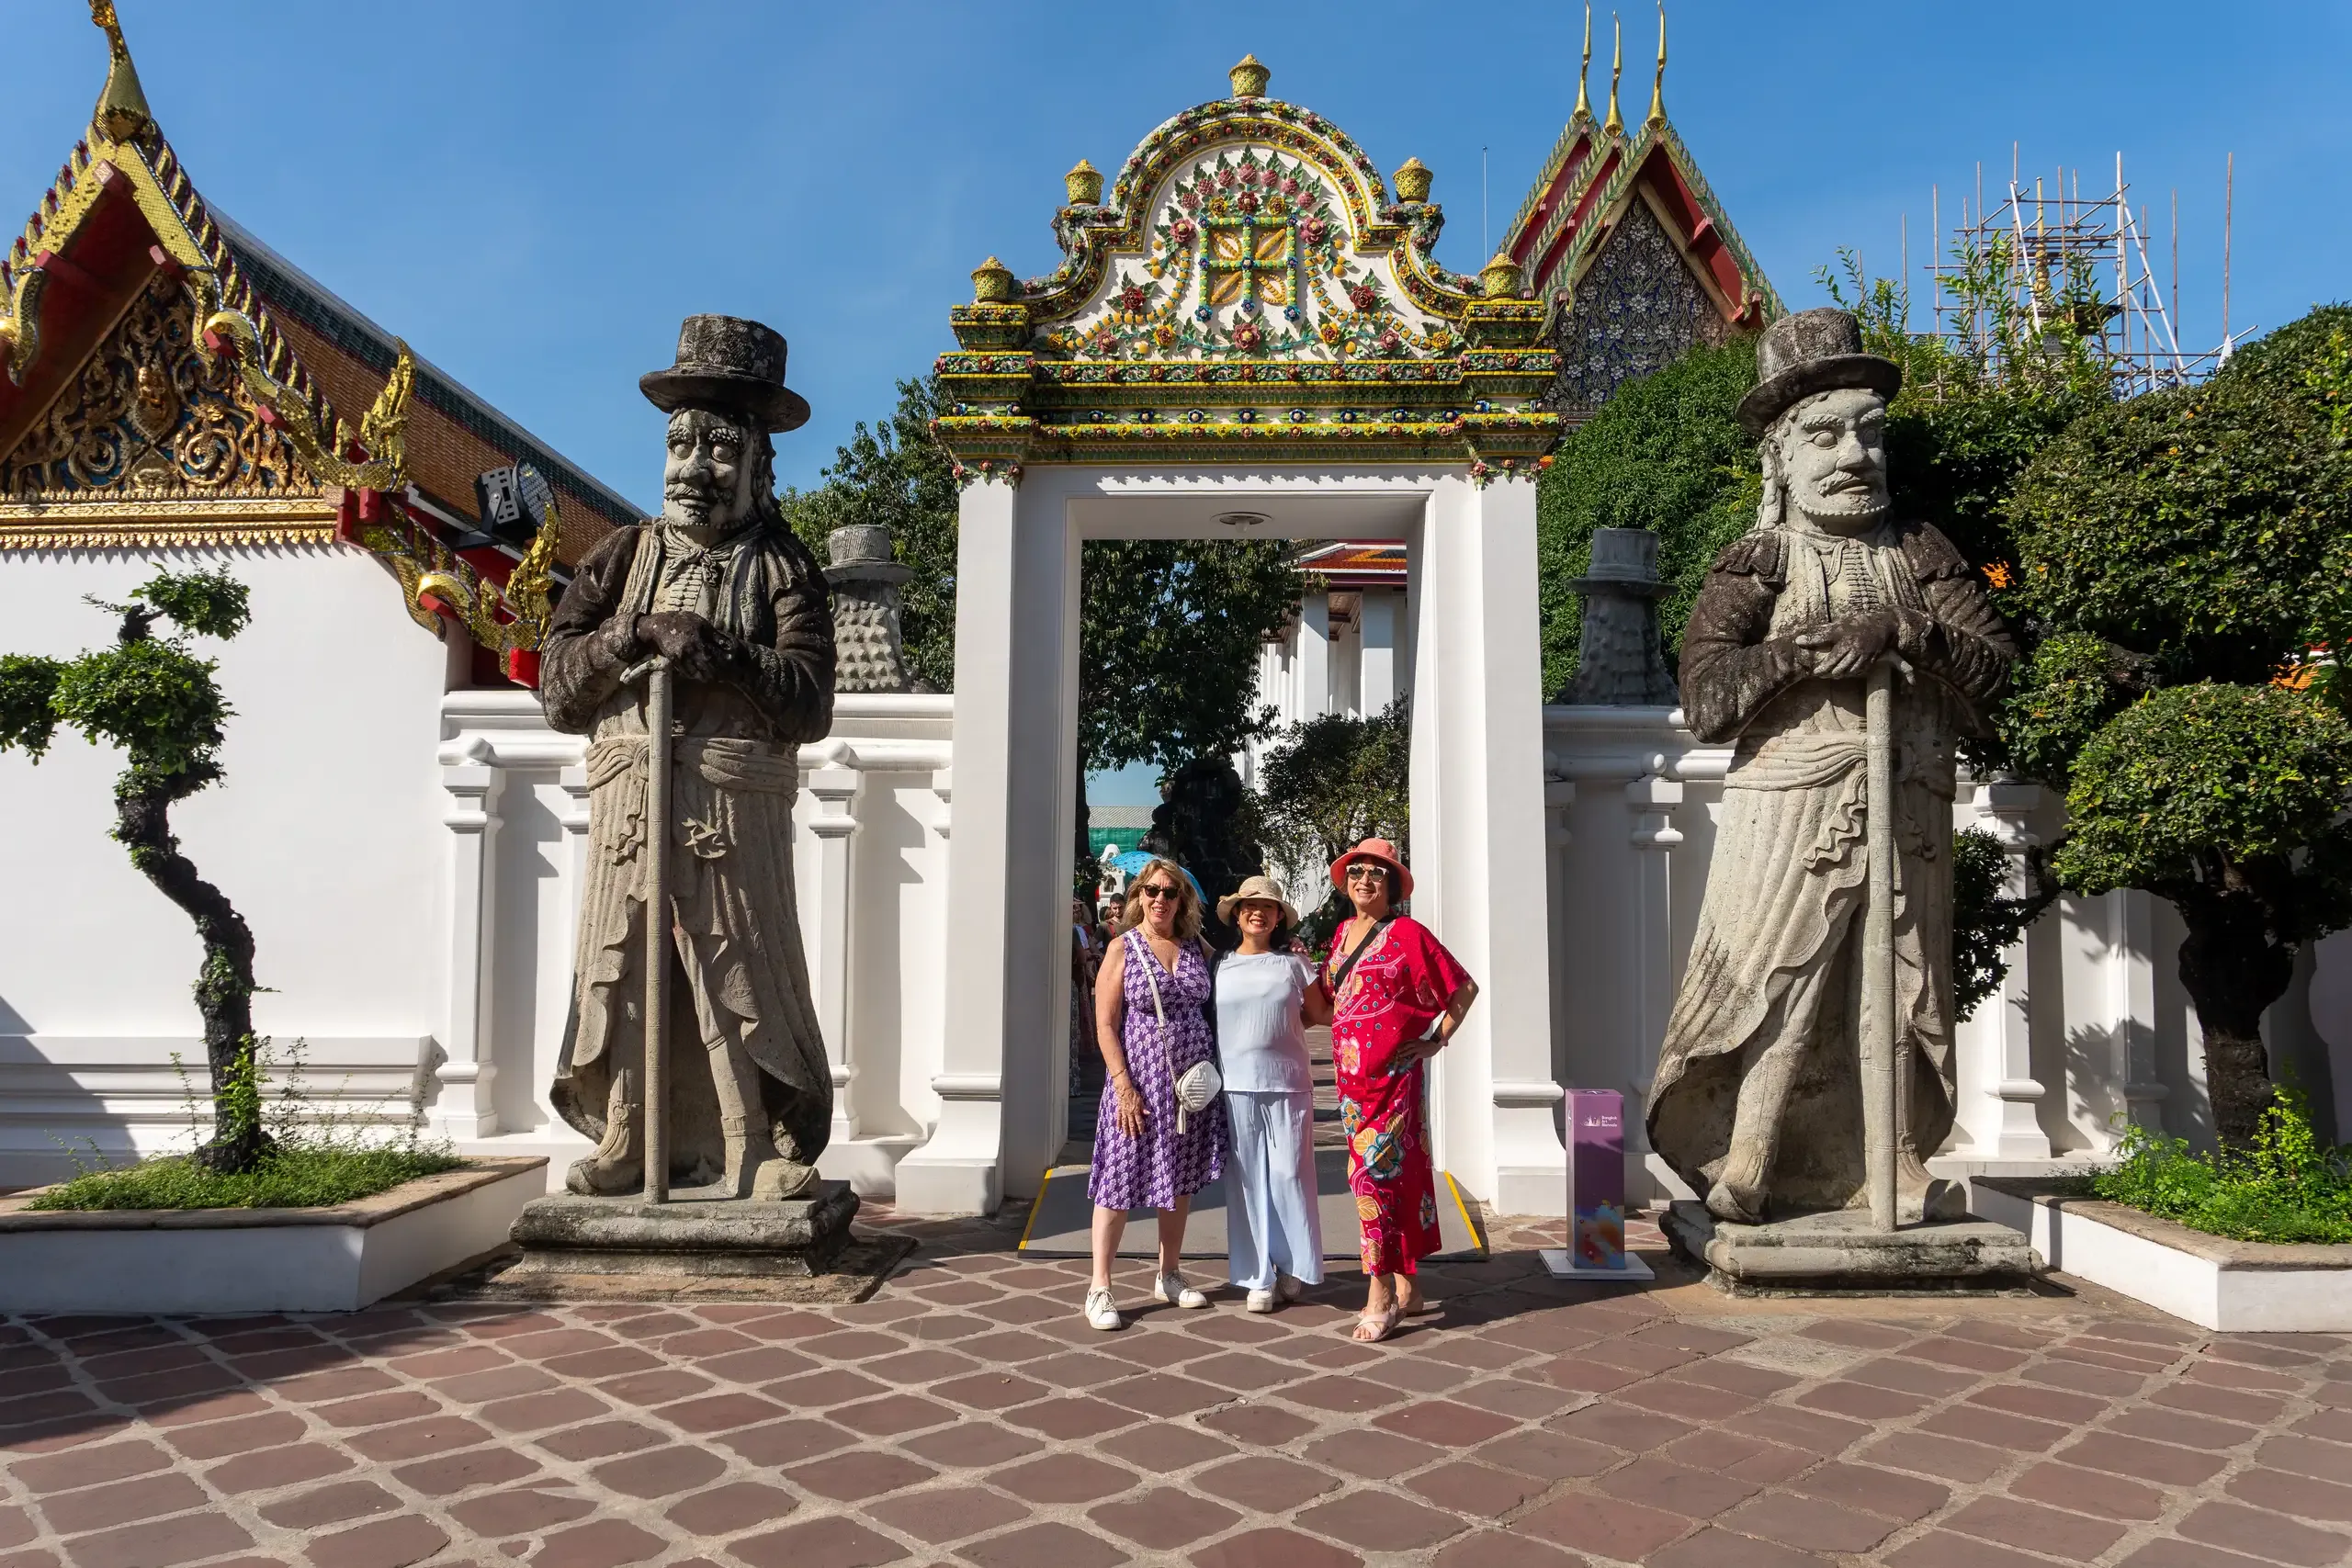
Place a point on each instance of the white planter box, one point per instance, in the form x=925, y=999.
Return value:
x=2233, y=1287
x=250, y=1260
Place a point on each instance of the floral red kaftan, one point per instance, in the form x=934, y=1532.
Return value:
x=1397, y=989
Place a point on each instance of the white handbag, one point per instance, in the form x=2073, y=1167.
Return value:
x=1200, y=1083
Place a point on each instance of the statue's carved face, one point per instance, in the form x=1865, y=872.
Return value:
x=1831, y=452
x=707, y=482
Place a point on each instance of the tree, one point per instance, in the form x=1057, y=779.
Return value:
x=157, y=700
x=2184, y=557
x=1329, y=784
x=1665, y=454
x=894, y=474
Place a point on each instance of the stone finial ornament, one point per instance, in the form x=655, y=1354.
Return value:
x=869, y=645
x=1499, y=279
x=992, y=283
x=1620, y=659
x=1413, y=181
x=1250, y=78
x=1084, y=185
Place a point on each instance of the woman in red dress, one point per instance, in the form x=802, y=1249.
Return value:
x=1397, y=996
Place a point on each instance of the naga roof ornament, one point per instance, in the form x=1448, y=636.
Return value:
x=1249, y=285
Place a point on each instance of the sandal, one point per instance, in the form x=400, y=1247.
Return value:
x=1382, y=1325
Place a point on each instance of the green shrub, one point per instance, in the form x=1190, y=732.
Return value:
x=2285, y=1186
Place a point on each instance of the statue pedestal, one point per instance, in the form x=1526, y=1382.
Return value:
x=1834, y=1254
x=567, y=1239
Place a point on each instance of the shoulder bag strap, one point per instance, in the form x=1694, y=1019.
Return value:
x=1347, y=965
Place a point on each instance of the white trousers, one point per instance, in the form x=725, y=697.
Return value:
x=1271, y=1220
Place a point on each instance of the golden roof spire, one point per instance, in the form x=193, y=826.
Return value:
x=1615, y=123
x=122, y=106
x=1657, y=86
x=1584, y=99
x=1250, y=78
x=1083, y=185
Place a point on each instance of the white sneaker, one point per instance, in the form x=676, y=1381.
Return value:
x=1101, y=1313
x=1171, y=1287
x=1259, y=1300
x=1290, y=1287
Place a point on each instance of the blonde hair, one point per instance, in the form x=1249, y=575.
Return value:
x=1188, y=903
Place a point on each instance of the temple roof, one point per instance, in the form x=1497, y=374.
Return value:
x=1250, y=289
x=1596, y=173
x=173, y=380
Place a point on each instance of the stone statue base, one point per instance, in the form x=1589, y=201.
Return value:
x=567, y=1237
x=1838, y=1254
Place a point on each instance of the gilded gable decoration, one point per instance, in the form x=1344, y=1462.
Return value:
x=1248, y=282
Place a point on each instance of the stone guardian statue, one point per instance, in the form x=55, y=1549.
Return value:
x=1758, y=1101
x=720, y=587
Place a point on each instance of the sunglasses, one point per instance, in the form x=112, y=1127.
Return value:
x=1159, y=892
x=1367, y=874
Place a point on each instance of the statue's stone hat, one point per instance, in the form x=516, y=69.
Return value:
x=731, y=365
x=1811, y=351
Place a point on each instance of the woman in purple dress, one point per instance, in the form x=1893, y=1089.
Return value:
x=1151, y=1001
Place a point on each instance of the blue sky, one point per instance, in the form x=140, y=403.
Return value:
x=534, y=193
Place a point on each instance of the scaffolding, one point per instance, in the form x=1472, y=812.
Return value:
x=2049, y=268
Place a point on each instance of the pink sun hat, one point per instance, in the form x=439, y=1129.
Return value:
x=1377, y=850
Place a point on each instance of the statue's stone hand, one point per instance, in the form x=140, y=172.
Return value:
x=695, y=649
x=1849, y=647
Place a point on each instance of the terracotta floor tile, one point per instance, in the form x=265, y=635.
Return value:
x=1273, y=1548
x=1267, y=1484
x=1043, y=1546
x=833, y=1543
x=863, y=1473
x=1163, y=1519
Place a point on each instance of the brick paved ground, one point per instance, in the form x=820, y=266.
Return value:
x=966, y=1415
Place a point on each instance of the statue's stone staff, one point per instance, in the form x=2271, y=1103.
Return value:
x=696, y=651
x=1807, y=1063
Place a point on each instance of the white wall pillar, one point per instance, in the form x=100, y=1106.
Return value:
x=2003, y=1118
x=462, y=1105
x=1314, y=657
x=1008, y=862
x=827, y=922
x=2131, y=1004
x=1479, y=832
x=1652, y=799
x=1379, y=623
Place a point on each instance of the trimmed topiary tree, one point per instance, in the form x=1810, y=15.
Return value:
x=157, y=700
x=2186, y=559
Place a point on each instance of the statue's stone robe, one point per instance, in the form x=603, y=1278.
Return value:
x=735, y=775
x=1779, y=930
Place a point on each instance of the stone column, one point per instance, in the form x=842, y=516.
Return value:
x=2132, y=1006
x=1314, y=657
x=461, y=1107
x=1380, y=672
x=868, y=644
x=833, y=822
x=1619, y=661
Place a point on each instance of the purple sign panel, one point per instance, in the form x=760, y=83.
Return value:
x=1597, y=1178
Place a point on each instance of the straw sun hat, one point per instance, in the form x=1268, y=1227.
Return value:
x=1264, y=888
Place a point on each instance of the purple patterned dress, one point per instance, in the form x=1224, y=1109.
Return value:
x=1154, y=1170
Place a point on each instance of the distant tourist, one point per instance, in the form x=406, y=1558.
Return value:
x=1397, y=996
x=1152, y=1018
x=1265, y=999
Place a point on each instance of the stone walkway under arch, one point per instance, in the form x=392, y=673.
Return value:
x=965, y=1415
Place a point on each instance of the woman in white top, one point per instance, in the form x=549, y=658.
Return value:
x=1264, y=1001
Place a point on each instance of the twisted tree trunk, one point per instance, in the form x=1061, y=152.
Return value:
x=224, y=987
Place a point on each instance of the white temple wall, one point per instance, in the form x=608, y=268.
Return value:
x=318, y=834
x=2090, y=1029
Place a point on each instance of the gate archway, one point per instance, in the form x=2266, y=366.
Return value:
x=1249, y=323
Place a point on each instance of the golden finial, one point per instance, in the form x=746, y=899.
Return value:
x=1657, y=117
x=1616, y=124
x=122, y=106
x=992, y=283
x=1413, y=181
x=1250, y=78
x=1584, y=98
x=1499, y=279
x=1084, y=185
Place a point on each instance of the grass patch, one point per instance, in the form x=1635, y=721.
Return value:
x=297, y=1176
x=2288, y=1188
